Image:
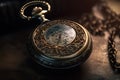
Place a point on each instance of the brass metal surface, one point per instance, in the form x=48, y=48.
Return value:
x=75, y=47
x=35, y=3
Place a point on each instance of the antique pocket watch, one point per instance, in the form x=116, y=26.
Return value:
x=57, y=44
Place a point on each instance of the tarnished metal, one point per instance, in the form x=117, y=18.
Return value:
x=60, y=38
x=112, y=52
x=60, y=44
x=57, y=44
x=37, y=11
x=106, y=20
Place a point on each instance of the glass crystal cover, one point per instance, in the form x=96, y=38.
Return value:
x=60, y=35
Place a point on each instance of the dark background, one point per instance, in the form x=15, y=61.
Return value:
x=15, y=62
x=11, y=21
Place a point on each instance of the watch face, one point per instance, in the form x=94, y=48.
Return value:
x=60, y=35
x=60, y=39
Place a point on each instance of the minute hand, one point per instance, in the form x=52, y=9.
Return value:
x=59, y=38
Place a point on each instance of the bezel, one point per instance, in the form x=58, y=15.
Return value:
x=61, y=52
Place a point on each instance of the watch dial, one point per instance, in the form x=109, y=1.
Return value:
x=60, y=35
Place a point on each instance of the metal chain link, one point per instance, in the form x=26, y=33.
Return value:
x=112, y=51
x=111, y=24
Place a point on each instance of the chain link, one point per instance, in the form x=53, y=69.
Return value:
x=112, y=51
x=109, y=23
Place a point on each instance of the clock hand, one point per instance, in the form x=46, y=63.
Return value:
x=59, y=38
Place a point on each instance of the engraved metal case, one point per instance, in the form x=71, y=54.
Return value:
x=57, y=44
x=60, y=44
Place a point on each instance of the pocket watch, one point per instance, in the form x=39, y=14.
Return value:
x=56, y=44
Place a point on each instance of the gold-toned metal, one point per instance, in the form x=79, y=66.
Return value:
x=40, y=14
x=57, y=44
x=59, y=50
x=60, y=44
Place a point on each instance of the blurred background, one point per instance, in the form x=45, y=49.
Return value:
x=10, y=19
